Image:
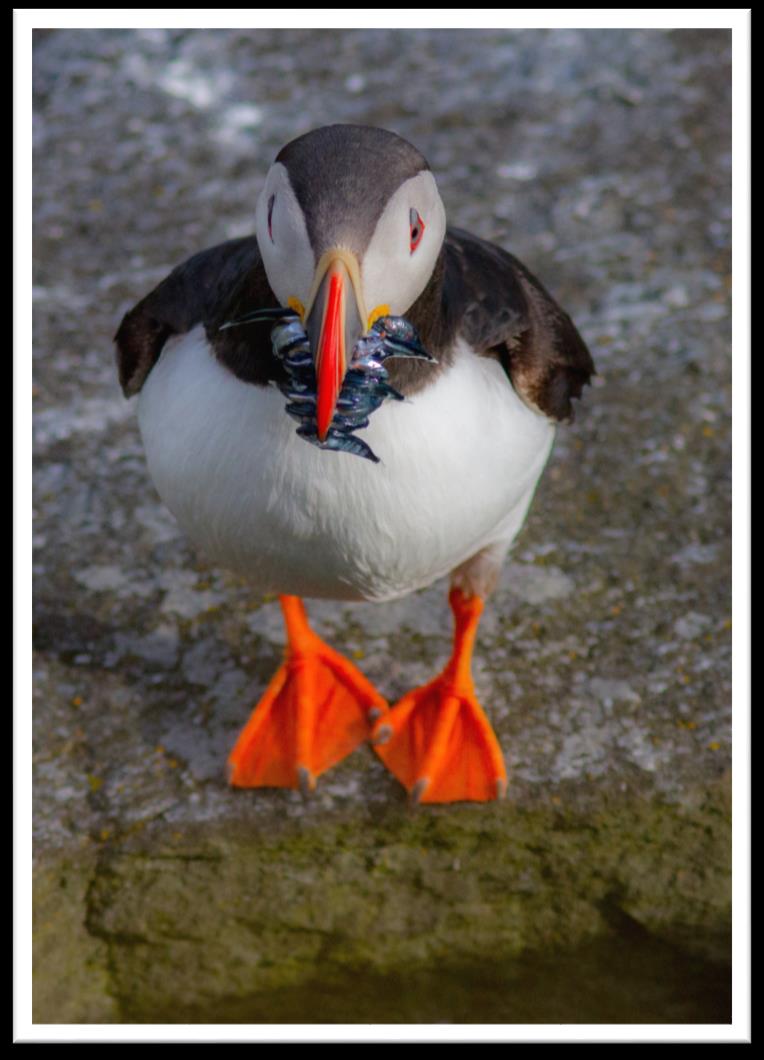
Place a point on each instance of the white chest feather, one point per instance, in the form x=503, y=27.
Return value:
x=458, y=465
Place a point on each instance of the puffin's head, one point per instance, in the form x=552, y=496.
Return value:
x=350, y=225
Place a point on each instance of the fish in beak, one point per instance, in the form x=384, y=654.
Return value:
x=335, y=319
x=334, y=354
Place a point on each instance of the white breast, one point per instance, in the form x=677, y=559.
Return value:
x=458, y=465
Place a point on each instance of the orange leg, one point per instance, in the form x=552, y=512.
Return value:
x=437, y=740
x=317, y=709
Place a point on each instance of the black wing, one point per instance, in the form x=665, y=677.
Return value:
x=210, y=288
x=504, y=312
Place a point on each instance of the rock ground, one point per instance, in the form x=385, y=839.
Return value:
x=600, y=158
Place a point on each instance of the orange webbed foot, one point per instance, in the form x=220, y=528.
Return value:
x=317, y=708
x=440, y=745
x=437, y=740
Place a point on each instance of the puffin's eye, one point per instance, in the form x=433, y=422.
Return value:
x=270, y=216
x=417, y=229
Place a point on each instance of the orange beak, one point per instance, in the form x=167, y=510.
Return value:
x=335, y=320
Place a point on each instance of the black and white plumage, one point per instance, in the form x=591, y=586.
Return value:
x=459, y=460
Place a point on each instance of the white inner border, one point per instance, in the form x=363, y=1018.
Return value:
x=738, y=20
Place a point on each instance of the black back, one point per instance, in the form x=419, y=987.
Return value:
x=503, y=311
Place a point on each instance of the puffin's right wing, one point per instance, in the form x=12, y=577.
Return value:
x=504, y=312
x=209, y=288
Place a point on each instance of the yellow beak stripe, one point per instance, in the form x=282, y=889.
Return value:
x=375, y=314
x=380, y=311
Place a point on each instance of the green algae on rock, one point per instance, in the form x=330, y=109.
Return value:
x=183, y=925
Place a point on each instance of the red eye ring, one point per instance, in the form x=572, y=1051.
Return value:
x=416, y=227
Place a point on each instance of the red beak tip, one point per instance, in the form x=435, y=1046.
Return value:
x=330, y=367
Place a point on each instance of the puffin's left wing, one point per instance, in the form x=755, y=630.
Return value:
x=504, y=312
x=209, y=288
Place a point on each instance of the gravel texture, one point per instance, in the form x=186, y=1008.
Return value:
x=602, y=160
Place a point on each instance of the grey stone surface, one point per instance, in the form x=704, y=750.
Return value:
x=601, y=159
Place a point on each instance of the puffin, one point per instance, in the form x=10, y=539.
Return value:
x=353, y=402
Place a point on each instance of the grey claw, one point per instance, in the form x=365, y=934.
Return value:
x=419, y=789
x=306, y=779
x=382, y=735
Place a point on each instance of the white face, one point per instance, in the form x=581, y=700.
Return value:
x=283, y=238
x=396, y=264
x=402, y=253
